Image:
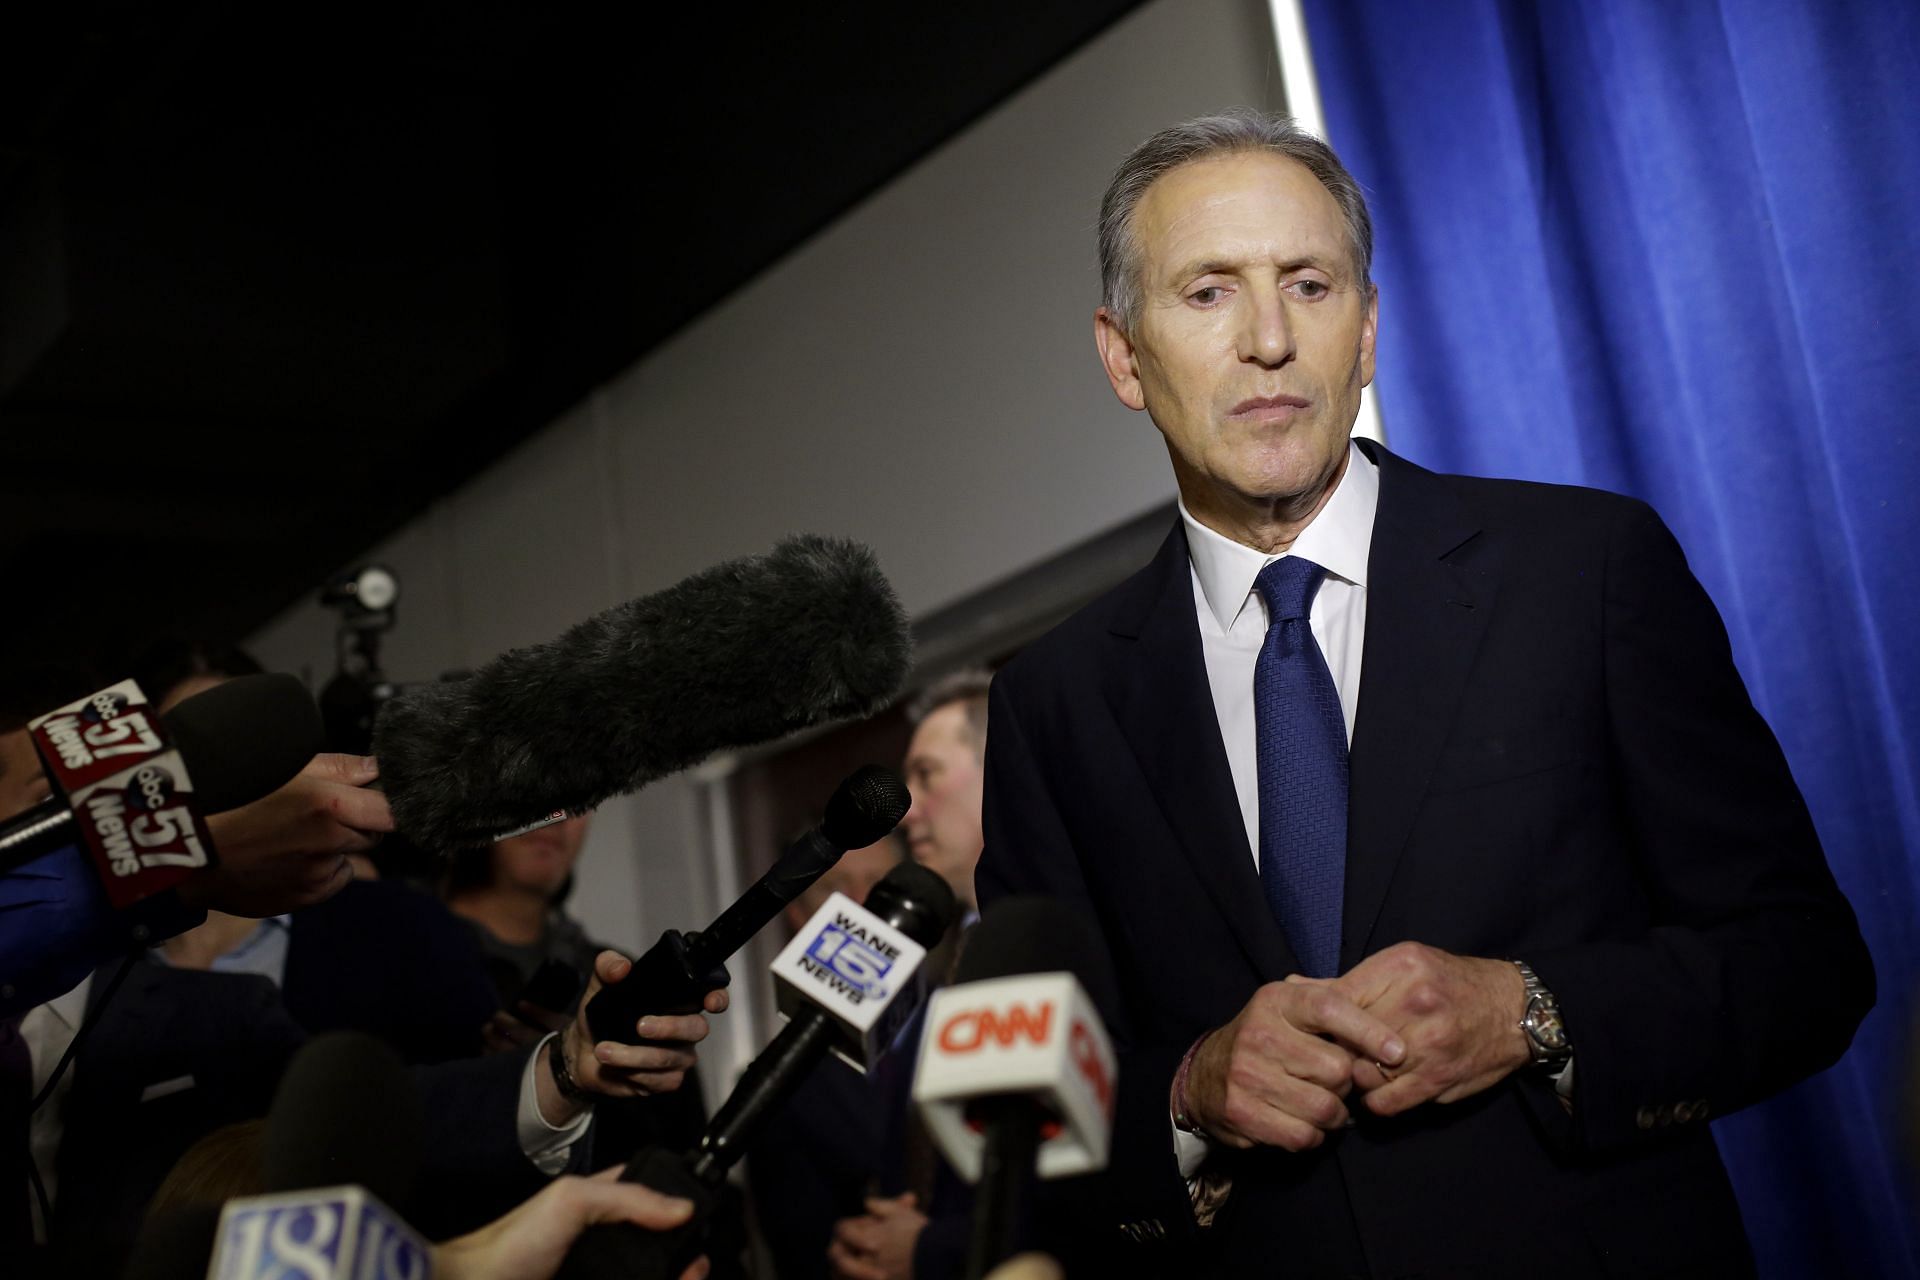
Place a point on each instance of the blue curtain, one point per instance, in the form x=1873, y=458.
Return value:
x=1672, y=248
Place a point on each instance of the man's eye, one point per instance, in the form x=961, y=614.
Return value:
x=1311, y=288
x=1206, y=297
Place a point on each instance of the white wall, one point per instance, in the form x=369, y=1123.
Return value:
x=920, y=376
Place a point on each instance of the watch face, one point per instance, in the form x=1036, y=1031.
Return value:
x=1545, y=1027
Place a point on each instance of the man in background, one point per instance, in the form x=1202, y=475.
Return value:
x=918, y=1226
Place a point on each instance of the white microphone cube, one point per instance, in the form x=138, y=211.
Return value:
x=1032, y=1035
x=859, y=970
x=331, y=1233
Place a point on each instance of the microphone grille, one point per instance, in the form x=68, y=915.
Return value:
x=1031, y=933
x=345, y=1111
x=865, y=807
x=245, y=738
x=915, y=901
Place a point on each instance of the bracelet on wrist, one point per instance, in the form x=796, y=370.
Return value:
x=562, y=1077
x=1182, y=1111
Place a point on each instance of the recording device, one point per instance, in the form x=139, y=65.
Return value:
x=744, y=652
x=848, y=982
x=367, y=599
x=676, y=973
x=1016, y=1074
x=132, y=786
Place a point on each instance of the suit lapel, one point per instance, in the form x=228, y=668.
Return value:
x=1157, y=687
x=1425, y=614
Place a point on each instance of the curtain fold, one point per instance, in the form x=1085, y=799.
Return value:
x=1672, y=249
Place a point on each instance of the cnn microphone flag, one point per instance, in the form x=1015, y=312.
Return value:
x=1036, y=1035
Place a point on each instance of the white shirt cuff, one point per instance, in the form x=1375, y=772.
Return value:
x=1189, y=1150
x=547, y=1145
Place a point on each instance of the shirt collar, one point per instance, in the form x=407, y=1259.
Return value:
x=71, y=1008
x=1338, y=540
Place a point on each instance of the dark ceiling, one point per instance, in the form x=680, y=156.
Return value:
x=275, y=277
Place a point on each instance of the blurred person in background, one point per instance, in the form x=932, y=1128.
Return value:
x=512, y=896
x=918, y=1223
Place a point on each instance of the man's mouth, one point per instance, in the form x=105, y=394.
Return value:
x=1268, y=409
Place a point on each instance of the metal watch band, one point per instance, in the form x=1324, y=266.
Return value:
x=1537, y=996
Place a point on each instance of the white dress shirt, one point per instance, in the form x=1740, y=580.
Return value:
x=1233, y=627
x=1233, y=616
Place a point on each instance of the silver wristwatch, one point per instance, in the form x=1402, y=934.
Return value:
x=1541, y=1024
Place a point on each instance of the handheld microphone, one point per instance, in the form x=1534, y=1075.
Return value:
x=744, y=652
x=677, y=971
x=341, y=1145
x=847, y=983
x=1016, y=1068
x=345, y=1111
x=132, y=786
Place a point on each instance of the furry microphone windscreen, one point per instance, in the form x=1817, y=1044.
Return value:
x=742, y=653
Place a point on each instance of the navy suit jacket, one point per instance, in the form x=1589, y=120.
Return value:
x=1553, y=759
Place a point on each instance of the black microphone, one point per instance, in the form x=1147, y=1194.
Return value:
x=345, y=1111
x=676, y=973
x=1016, y=1075
x=237, y=742
x=744, y=652
x=340, y=1157
x=857, y=972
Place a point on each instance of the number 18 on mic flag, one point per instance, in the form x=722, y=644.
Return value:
x=332, y=1233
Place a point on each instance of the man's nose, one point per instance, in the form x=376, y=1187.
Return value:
x=1266, y=335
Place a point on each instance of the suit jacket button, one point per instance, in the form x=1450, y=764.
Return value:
x=1645, y=1118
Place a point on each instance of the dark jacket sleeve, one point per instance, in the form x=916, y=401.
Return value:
x=1028, y=850
x=472, y=1169
x=1753, y=973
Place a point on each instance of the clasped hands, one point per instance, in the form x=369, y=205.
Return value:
x=1408, y=1025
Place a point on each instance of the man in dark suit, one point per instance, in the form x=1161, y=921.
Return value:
x=1451, y=878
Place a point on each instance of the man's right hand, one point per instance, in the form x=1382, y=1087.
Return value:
x=1278, y=1074
x=289, y=849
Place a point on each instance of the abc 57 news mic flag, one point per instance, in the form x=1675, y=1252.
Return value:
x=129, y=789
x=334, y=1233
x=1032, y=1035
x=863, y=973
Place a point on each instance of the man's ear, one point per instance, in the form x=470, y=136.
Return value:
x=1369, y=331
x=1118, y=358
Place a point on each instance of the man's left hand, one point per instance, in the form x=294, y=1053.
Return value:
x=878, y=1245
x=1458, y=1015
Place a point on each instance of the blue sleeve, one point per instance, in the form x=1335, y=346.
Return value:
x=56, y=927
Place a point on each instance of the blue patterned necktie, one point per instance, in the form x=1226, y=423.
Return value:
x=1301, y=740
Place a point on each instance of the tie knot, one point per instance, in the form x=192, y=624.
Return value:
x=1287, y=585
